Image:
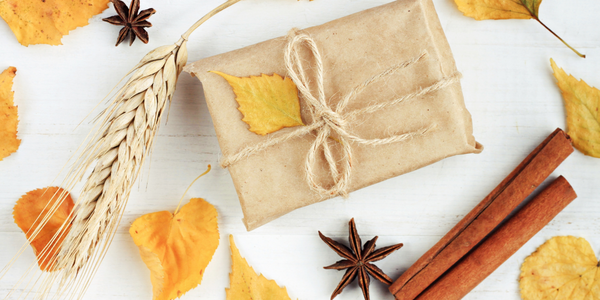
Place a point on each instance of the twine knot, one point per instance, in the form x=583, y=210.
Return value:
x=330, y=124
x=326, y=117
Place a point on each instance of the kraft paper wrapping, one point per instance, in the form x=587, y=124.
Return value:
x=353, y=49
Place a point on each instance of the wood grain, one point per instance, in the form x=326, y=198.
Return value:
x=508, y=87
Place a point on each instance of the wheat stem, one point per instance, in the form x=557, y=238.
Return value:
x=213, y=12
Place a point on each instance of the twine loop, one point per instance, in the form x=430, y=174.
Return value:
x=330, y=124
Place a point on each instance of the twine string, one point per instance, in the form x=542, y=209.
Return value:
x=327, y=120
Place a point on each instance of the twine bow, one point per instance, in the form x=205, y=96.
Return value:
x=327, y=120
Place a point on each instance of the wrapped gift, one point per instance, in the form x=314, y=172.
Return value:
x=402, y=109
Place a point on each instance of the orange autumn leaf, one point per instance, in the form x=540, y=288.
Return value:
x=9, y=115
x=29, y=212
x=177, y=247
x=582, y=104
x=268, y=103
x=245, y=284
x=47, y=21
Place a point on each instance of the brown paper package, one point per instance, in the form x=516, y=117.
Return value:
x=354, y=48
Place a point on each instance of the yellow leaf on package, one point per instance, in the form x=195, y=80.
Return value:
x=499, y=9
x=245, y=284
x=29, y=212
x=177, y=248
x=582, y=103
x=9, y=115
x=268, y=103
x=564, y=267
x=46, y=22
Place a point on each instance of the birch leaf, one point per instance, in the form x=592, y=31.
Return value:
x=177, y=247
x=582, y=104
x=29, y=212
x=9, y=115
x=47, y=21
x=505, y=9
x=564, y=267
x=245, y=284
x=499, y=9
x=268, y=103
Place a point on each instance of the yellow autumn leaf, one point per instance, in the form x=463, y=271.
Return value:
x=506, y=9
x=47, y=21
x=29, y=211
x=177, y=247
x=268, y=103
x=499, y=9
x=9, y=115
x=245, y=284
x=565, y=267
x=582, y=104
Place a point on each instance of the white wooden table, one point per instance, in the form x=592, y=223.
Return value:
x=508, y=88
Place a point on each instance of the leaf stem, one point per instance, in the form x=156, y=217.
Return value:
x=213, y=12
x=558, y=37
x=179, y=205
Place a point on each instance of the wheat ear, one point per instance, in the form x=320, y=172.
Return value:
x=122, y=139
x=127, y=136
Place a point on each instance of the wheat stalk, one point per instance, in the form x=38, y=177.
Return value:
x=118, y=149
x=128, y=133
x=127, y=136
x=119, y=143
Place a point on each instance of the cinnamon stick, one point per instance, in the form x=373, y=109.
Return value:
x=502, y=244
x=478, y=223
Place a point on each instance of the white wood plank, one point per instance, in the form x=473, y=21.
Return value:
x=508, y=87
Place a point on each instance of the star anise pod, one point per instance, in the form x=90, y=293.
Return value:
x=133, y=22
x=358, y=262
